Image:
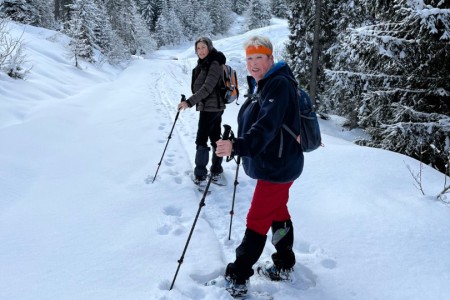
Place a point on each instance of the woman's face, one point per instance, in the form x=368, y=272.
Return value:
x=202, y=50
x=258, y=65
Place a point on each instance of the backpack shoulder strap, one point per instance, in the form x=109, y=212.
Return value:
x=295, y=136
x=297, y=108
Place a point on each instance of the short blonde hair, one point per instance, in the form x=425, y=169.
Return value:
x=257, y=41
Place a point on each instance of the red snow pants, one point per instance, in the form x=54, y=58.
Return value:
x=269, y=204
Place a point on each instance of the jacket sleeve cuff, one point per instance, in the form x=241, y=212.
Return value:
x=237, y=147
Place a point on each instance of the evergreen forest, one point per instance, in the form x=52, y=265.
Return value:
x=383, y=65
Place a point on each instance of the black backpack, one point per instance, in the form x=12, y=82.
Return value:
x=310, y=137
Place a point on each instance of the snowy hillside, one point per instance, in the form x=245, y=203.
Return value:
x=78, y=220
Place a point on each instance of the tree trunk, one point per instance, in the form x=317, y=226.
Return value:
x=315, y=55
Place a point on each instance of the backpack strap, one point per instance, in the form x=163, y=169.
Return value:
x=295, y=136
x=297, y=108
x=220, y=83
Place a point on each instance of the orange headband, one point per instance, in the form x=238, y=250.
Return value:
x=257, y=50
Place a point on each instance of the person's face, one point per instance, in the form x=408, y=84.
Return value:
x=202, y=50
x=259, y=64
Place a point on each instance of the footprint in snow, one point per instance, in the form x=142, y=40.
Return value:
x=172, y=211
x=328, y=263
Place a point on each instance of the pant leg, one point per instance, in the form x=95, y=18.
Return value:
x=247, y=254
x=203, y=129
x=202, y=149
x=269, y=204
x=216, y=163
x=208, y=128
x=283, y=240
x=201, y=161
x=214, y=136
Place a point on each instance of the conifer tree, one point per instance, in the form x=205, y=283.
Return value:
x=127, y=22
x=198, y=21
x=169, y=30
x=185, y=14
x=299, y=47
x=80, y=27
x=334, y=21
x=150, y=11
x=45, y=17
x=19, y=10
x=61, y=10
x=240, y=6
x=106, y=39
x=258, y=14
x=219, y=12
x=280, y=8
x=340, y=16
x=143, y=42
x=401, y=64
x=33, y=12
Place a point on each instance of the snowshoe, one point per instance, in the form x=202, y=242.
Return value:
x=218, y=179
x=271, y=272
x=199, y=180
x=236, y=290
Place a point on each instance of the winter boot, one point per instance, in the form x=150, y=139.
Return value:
x=284, y=258
x=247, y=254
x=235, y=289
x=199, y=180
x=270, y=271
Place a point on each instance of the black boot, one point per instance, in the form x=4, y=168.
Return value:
x=283, y=240
x=247, y=254
x=201, y=160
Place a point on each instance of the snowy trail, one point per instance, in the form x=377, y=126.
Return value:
x=215, y=215
x=118, y=121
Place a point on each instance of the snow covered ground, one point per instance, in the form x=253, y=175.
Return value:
x=78, y=220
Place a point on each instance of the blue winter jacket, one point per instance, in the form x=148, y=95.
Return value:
x=268, y=152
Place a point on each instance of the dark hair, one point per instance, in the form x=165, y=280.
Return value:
x=205, y=40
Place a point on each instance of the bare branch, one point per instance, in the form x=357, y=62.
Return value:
x=12, y=58
x=417, y=178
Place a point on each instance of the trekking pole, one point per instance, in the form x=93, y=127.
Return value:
x=238, y=161
x=225, y=136
x=183, y=98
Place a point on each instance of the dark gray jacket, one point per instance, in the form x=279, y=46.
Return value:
x=205, y=83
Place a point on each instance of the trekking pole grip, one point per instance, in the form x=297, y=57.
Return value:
x=226, y=132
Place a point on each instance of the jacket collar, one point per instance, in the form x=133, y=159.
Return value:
x=275, y=68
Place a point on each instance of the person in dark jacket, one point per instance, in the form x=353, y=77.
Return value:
x=205, y=96
x=272, y=157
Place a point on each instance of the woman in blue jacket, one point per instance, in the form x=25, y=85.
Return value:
x=272, y=157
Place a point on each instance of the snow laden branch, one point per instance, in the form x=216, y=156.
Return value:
x=435, y=20
x=12, y=58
